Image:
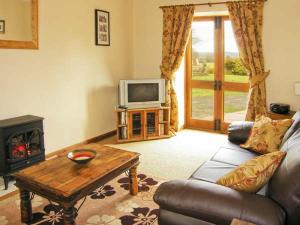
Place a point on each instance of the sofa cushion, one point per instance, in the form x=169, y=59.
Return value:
x=267, y=134
x=233, y=156
x=284, y=187
x=252, y=175
x=211, y=171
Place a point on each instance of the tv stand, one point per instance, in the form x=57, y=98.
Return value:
x=142, y=124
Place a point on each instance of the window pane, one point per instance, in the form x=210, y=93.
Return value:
x=235, y=104
x=234, y=70
x=202, y=104
x=203, y=50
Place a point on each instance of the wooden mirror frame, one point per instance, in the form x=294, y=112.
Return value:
x=34, y=43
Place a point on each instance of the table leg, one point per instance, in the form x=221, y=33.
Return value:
x=133, y=181
x=26, y=209
x=6, y=180
x=69, y=215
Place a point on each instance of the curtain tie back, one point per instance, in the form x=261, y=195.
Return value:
x=259, y=78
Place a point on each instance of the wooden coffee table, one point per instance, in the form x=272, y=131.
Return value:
x=62, y=181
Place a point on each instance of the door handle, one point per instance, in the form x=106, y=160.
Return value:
x=217, y=85
x=220, y=85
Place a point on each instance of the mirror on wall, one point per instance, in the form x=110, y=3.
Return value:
x=19, y=24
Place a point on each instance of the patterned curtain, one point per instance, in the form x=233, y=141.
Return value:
x=177, y=23
x=247, y=22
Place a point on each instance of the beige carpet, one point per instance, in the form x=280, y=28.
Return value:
x=177, y=157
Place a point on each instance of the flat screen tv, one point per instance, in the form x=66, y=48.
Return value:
x=141, y=93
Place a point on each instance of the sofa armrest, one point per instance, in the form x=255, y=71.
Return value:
x=217, y=204
x=239, y=131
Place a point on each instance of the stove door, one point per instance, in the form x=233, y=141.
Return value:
x=24, y=145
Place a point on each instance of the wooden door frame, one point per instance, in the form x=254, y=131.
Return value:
x=219, y=76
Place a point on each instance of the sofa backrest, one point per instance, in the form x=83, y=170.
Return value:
x=284, y=187
x=295, y=126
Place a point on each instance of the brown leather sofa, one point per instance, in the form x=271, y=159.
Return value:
x=200, y=201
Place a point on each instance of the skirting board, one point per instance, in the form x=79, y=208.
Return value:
x=88, y=141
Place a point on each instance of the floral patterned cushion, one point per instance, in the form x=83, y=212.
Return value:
x=253, y=174
x=266, y=134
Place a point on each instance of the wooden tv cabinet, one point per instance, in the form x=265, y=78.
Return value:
x=142, y=124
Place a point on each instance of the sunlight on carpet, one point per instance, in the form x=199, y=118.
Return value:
x=177, y=157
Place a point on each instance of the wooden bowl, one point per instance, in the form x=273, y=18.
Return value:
x=82, y=156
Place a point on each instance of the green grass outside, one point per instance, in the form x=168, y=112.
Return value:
x=228, y=78
x=231, y=109
x=208, y=92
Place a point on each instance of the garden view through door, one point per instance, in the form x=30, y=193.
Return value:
x=217, y=82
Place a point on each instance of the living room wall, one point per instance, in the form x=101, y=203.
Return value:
x=69, y=81
x=281, y=36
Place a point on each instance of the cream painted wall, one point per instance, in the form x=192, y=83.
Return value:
x=281, y=37
x=69, y=81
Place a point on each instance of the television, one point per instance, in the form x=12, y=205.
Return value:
x=141, y=93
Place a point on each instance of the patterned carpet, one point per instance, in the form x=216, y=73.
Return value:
x=108, y=205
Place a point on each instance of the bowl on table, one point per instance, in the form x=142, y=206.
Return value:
x=82, y=156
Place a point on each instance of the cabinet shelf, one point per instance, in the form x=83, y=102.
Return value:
x=143, y=124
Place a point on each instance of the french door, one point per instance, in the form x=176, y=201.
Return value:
x=216, y=81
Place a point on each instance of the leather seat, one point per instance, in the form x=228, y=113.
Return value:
x=211, y=171
x=233, y=156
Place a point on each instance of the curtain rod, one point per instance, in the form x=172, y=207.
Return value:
x=208, y=3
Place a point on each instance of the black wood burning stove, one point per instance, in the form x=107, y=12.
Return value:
x=21, y=144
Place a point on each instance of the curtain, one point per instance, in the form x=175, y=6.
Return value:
x=177, y=23
x=247, y=22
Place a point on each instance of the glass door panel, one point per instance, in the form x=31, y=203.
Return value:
x=203, y=51
x=235, y=104
x=151, y=123
x=202, y=104
x=34, y=143
x=234, y=71
x=135, y=125
x=235, y=85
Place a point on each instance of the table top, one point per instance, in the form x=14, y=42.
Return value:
x=65, y=177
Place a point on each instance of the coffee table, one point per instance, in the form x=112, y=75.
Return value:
x=65, y=182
